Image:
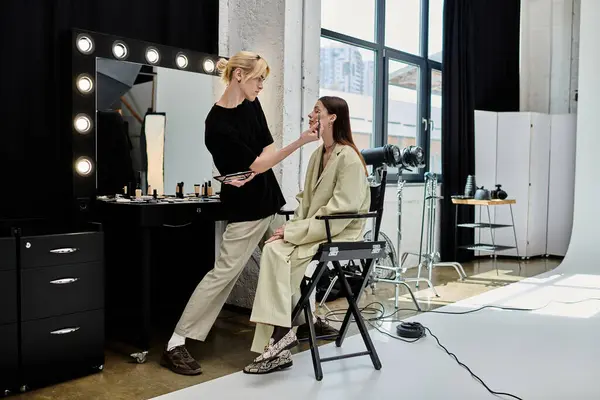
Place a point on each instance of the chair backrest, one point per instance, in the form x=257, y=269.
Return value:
x=377, y=201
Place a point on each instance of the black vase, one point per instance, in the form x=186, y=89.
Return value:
x=499, y=193
x=470, y=186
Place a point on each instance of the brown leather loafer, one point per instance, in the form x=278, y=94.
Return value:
x=180, y=361
x=322, y=328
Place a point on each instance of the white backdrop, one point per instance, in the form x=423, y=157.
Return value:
x=584, y=249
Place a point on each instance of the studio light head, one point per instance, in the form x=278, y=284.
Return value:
x=392, y=156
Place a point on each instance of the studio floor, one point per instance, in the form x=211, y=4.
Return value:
x=227, y=349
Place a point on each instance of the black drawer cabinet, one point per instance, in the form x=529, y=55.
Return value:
x=51, y=250
x=9, y=358
x=9, y=339
x=8, y=254
x=60, y=348
x=61, y=307
x=64, y=289
x=8, y=297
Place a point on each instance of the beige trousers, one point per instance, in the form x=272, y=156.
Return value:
x=239, y=241
x=278, y=290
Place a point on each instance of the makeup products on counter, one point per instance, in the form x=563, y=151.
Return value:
x=210, y=190
x=154, y=194
x=197, y=189
x=179, y=190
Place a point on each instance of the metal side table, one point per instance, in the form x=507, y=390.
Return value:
x=492, y=248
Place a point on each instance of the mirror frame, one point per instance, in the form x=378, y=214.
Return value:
x=83, y=145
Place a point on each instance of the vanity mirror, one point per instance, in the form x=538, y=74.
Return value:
x=138, y=116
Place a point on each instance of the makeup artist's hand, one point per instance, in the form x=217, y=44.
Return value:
x=241, y=182
x=310, y=135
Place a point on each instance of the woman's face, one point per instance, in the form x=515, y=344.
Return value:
x=250, y=87
x=320, y=113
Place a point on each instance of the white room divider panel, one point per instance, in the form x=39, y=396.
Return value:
x=486, y=134
x=516, y=153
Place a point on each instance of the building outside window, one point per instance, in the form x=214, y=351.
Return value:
x=384, y=58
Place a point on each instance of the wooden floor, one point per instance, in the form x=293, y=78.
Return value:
x=227, y=349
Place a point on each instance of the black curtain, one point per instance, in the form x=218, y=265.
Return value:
x=35, y=165
x=480, y=72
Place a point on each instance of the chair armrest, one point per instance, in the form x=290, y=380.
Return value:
x=346, y=216
x=285, y=212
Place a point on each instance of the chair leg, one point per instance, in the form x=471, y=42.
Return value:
x=314, y=349
x=306, y=292
x=346, y=323
x=353, y=309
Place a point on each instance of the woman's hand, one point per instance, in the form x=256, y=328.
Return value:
x=277, y=235
x=240, y=182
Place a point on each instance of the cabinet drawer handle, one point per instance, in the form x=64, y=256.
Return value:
x=64, y=331
x=64, y=250
x=64, y=281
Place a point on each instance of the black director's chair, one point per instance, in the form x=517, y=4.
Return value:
x=334, y=252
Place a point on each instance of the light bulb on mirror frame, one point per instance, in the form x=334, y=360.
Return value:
x=83, y=166
x=119, y=50
x=209, y=65
x=85, y=44
x=85, y=83
x=152, y=55
x=181, y=60
x=82, y=123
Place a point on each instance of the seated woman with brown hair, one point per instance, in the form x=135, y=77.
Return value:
x=336, y=182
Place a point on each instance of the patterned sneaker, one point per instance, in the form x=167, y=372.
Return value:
x=180, y=361
x=274, y=349
x=281, y=362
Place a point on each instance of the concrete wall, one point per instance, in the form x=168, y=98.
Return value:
x=549, y=55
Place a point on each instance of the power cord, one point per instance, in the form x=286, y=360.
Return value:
x=411, y=332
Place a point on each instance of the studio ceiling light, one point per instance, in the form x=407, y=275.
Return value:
x=181, y=61
x=209, y=65
x=85, y=84
x=85, y=44
x=119, y=50
x=82, y=123
x=83, y=166
x=152, y=55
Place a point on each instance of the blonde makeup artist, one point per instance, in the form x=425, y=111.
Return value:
x=336, y=182
x=239, y=140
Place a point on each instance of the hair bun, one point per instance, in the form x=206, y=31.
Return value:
x=222, y=65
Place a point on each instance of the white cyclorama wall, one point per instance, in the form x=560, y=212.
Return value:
x=186, y=98
x=584, y=249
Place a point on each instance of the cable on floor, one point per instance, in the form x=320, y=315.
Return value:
x=421, y=328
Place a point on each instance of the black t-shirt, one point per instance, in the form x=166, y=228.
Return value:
x=235, y=137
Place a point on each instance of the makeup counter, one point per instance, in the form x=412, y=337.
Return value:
x=157, y=250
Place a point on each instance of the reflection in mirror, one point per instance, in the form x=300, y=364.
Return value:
x=154, y=132
x=150, y=127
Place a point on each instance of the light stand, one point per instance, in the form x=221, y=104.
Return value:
x=398, y=270
x=431, y=258
x=404, y=159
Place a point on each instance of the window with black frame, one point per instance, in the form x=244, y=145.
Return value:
x=385, y=58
